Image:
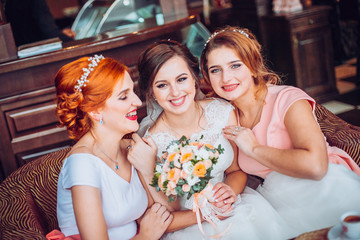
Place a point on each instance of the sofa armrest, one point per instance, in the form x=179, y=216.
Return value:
x=339, y=133
x=28, y=198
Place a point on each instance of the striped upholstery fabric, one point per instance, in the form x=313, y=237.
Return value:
x=28, y=198
x=339, y=133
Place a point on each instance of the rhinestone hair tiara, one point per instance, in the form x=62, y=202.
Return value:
x=86, y=71
x=216, y=33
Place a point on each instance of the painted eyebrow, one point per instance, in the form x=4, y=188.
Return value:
x=123, y=92
x=231, y=62
x=161, y=81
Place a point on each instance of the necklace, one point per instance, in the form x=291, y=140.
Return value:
x=258, y=112
x=114, y=161
x=117, y=156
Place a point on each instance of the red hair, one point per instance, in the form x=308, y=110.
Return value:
x=72, y=106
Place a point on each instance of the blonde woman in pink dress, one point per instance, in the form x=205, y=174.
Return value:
x=308, y=182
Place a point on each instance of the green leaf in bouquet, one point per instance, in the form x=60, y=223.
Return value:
x=191, y=191
x=171, y=198
x=209, y=149
x=194, y=161
x=208, y=173
x=183, y=139
x=179, y=191
x=181, y=182
x=196, y=187
x=220, y=149
x=165, y=183
x=155, y=179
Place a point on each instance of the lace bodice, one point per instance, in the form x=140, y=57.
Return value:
x=216, y=114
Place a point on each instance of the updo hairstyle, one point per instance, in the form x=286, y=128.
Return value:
x=73, y=106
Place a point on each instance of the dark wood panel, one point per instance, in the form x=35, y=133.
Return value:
x=28, y=125
x=32, y=117
x=299, y=47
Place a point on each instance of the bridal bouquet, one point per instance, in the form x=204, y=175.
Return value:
x=185, y=168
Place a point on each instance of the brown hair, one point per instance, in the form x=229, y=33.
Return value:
x=152, y=59
x=73, y=106
x=246, y=47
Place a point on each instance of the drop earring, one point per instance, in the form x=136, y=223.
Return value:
x=101, y=120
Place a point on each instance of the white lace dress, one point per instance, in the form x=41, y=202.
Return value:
x=253, y=217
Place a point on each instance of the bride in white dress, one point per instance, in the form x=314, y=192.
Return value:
x=168, y=75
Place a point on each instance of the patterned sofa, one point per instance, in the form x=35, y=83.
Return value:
x=28, y=195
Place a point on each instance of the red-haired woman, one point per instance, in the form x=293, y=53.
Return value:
x=100, y=194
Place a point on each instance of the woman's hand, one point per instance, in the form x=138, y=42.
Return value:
x=224, y=197
x=243, y=137
x=142, y=154
x=154, y=222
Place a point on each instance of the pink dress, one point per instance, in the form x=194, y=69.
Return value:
x=305, y=204
x=271, y=130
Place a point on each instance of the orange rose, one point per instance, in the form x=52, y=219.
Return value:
x=174, y=175
x=172, y=157
x=186, y=157
x=199, y=169
x=194, y=143
x=209, y=146
x=160, y=182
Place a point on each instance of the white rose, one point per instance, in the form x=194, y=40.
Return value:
x=186, y=149
x=158, y=169
x=192, y=180
x=173, y=148
x=204, y=154
x=188, y=168
x=194, y=148
x=177, y=163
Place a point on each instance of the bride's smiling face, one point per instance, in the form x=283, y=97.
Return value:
x=174, y=86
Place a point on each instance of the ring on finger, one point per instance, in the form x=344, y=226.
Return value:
x=237, y=128
x=233, y=133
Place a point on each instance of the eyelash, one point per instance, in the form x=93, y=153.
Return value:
x=237, y=65
x=215, y=71
x=162, y=85
x=234, y=66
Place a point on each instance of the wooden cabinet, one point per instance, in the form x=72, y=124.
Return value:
x=299, y=47
x=248, y=13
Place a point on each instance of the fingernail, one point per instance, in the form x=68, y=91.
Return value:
x=225, y=201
